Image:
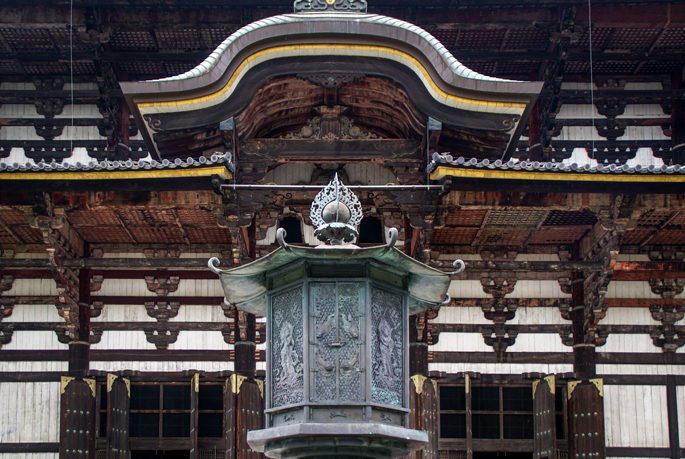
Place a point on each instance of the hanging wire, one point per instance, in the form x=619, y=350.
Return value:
x=71, y=71
x=592, y=89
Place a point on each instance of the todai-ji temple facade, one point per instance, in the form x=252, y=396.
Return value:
x=327, y=229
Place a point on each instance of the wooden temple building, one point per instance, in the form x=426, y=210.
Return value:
x=542, y=142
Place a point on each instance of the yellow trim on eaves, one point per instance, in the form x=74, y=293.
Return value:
x=442, y=172
x=114, y=175
x=297, y=49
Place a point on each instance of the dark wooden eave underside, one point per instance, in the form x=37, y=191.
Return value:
x=391, y=101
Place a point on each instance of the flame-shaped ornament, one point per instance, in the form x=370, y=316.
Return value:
x=335, y=212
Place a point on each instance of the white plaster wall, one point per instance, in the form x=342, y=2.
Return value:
x=32, y=287
x=39, y=365
x=538, y=316
x=161, y=366
x=35, y=340
x=461, y=315
x=629, y=343
x=466, y=289
x=34, y=313
x=30, y=412
x=537, y=289
x=29, y=455
x=124, y=313
x=138, y=287
x=635, y=416
x=538, y=342
x=630, y=289
x=200, y=340
x=197, y=313
x=501, y=368
x=663, y=369
x=128, y=339
x=628, y=316
x=461, y=342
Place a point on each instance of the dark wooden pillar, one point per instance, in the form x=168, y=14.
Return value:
x=534, y=136
x=79, y=349
x=122, y=137
x=585, y=396
x=78, y=358
x=418, y=348
x=77, y=418
x=678, y=121
x=672, y=404
x=245, y=346
x=584, y=357
x=586, y=419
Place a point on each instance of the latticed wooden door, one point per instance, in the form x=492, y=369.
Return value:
x=77, y=418
x=118, y=415
x=244, y=408
x=423, y=402
x=544, y=427
x=586, y=418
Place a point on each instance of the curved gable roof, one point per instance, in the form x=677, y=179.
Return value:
x=336, y=41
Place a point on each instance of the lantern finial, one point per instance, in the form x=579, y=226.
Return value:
x=335, y=212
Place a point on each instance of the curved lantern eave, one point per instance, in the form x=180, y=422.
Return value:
x=245, y=287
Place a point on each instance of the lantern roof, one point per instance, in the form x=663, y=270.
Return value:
x=246, y=286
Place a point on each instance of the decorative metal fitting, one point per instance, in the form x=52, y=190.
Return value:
x=352, y=6
x=335, y=212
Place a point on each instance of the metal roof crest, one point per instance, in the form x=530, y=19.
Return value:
x=307, y=6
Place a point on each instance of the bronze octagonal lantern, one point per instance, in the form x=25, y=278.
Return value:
x=337, y=337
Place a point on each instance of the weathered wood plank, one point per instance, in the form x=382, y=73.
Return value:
x=617, y=451
x=114, y=263
x=29, y=447
x=186, y=300
x=553, y=358
x=128, y=355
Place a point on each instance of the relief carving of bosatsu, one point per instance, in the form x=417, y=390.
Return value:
x=288, y=378
x=337, y=348
x=386, y=313
x=349, y=355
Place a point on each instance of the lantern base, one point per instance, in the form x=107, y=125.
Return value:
x=318, y=440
